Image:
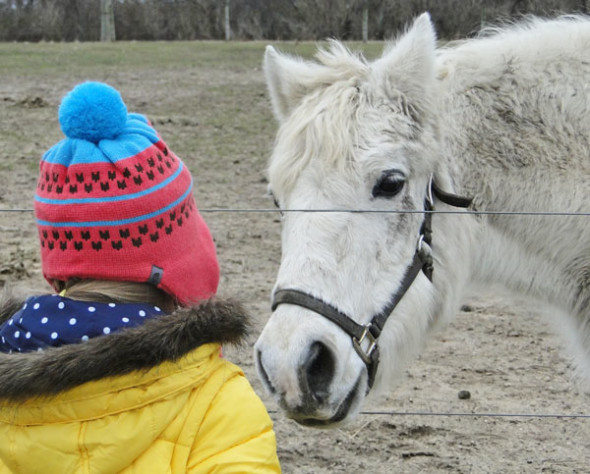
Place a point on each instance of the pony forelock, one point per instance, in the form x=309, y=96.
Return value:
x=322, y=124
x=315, y=131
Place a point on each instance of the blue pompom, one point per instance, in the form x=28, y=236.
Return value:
x=92, y=111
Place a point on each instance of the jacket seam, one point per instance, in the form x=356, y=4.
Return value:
x=84, y=454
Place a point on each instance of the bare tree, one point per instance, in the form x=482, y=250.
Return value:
x=365, y=21
x=227, y=24
x=107, y=21
x=91, y=20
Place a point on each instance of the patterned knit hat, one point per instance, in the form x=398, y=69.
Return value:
x=114, y=203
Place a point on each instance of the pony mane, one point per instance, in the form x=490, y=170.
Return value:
x=527, y=23
x=529, y=39
x=339, y=61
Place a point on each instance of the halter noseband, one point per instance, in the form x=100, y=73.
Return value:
x=365, y=337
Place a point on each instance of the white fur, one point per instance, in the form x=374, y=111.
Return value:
x=504, y=118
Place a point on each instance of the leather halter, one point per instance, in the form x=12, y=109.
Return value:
x=365, y=337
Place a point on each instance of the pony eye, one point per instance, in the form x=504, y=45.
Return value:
x=390, y=184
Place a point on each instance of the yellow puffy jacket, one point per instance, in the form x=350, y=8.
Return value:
x=157, y=398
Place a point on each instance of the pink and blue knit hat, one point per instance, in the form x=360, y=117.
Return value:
x=113, y=202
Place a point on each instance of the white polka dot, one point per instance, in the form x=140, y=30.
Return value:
x=72, y=321
x=106, y=330
x=53, y=335
x=11, y=322
x=61, y=305
x=25, y=306
x=92, y=309
x=17, y=334
x=39, y=349
x=36, y=306
x=20, y=321
x=142, y=313
x=44, y=320
x=112, y=305
x=3, y=340
x=84, y=338
x=157, y=309
x=28, y=335
x=125, y=320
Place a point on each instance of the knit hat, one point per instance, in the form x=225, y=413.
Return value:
x=114, y=203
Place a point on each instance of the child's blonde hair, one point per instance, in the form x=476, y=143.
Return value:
x=105, y=291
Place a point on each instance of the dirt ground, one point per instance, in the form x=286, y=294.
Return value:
x=208, y=101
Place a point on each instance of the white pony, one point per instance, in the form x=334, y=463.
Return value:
x=503, y=119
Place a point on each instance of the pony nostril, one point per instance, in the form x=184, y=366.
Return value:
x=263, y=374
x=318, y=371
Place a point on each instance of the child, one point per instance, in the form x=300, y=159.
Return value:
x=120, y=370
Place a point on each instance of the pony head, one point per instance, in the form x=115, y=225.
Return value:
x=353, y=135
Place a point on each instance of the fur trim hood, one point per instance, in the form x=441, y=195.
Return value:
x=161, y=339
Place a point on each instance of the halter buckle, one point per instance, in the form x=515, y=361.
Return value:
x=357, y=344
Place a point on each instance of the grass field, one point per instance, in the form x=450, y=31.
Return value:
x=212, y=89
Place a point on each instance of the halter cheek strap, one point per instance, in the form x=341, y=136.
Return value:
x=365, y=337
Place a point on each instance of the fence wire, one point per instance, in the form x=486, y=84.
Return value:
x=372, y=211
x=466, y=414
x=474, y=415
x=369, y=211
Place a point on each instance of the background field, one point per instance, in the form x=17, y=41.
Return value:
x=208, y=100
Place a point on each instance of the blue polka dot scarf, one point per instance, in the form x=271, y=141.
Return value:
x=53, y=320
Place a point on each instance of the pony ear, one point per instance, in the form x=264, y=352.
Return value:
x=285, y=78
x=408, y=64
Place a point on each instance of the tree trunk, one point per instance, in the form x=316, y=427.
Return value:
x=227, y=25
x=365, y=22
x=107, y=21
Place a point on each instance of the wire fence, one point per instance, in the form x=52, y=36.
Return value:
x=466, y=414
x=372, y=211
x=482, y=415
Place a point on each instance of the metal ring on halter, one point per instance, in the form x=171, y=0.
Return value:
x=429, y=197
x=419, y=243
x=423, y=247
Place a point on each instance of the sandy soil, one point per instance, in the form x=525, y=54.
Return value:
x=504, y=354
